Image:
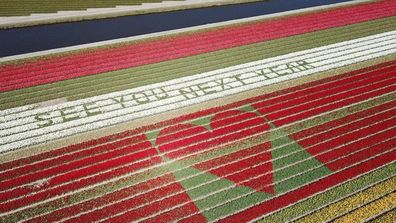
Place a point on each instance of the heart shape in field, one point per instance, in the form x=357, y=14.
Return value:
x=251, y=166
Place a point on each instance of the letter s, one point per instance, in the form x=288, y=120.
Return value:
x=48, y=121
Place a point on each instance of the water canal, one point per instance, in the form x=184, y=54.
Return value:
x=45, y=37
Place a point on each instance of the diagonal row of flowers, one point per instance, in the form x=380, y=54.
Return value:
x=248, y=164
x=180, y=140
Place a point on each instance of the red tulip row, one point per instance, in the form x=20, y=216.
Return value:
x=104, y=60
x=178, y=196
x=172, y=187
x=295, y=109
x=320, y=147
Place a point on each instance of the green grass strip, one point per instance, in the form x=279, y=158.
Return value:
x=329, y=196
x=119, y=80
x=155, y=172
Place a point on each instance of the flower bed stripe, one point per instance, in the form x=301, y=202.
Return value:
x=360, y=182
x=211, y=209
x=384, y=217
x=313, y=188
x=156, y=204
x=323, y=146
x=107, y=150
x=155, y=183
x=106, y=110
x=387, y=147
x=134, y=77
x=74, y=67
x=332, y=195
x=370, y=210
x=278, y=111
x=352, y=202
x=92, y=169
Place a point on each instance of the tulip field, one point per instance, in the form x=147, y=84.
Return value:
x=26, y=13
x=283, y=119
